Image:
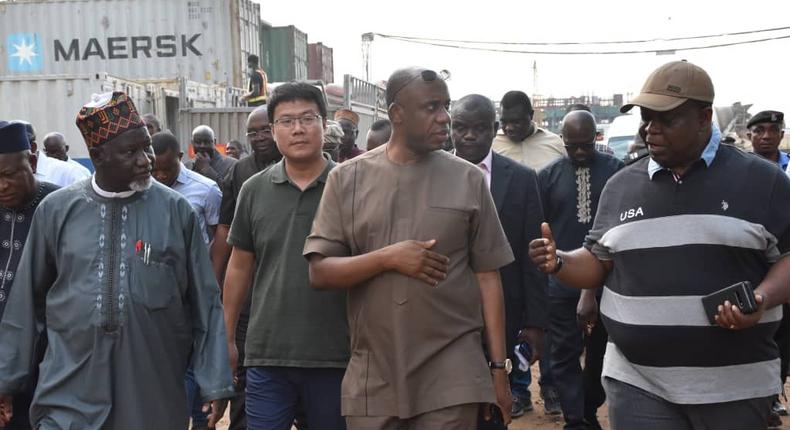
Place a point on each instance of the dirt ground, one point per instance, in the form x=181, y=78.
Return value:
x=538, y=420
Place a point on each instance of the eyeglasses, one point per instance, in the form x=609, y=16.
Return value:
x=426, y=75
x=304, y=121
x=259, y=133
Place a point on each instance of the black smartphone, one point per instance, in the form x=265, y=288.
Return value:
x=740, y=294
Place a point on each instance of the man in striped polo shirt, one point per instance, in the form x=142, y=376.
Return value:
x=689, y=220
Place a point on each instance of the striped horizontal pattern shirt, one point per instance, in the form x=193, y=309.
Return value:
x=672, y=241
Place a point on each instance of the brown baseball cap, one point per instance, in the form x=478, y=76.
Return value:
x=671, y=85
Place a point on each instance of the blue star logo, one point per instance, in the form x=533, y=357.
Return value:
x=24, y=52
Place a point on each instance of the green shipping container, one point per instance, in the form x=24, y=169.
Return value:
x=283, y=53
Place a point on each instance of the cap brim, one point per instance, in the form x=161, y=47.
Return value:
x=656, y=102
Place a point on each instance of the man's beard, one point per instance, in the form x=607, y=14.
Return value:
x=141, y=185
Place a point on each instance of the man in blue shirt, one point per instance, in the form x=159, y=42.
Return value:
x=202, y=193
x=205, y=197
x=766, y=130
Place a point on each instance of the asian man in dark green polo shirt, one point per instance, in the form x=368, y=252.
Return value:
x=297, y=343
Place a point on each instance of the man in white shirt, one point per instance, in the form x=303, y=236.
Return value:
x=55, y=147
x=51, y=170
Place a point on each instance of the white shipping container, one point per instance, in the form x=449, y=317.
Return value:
x=52, y=103
x=202, y=40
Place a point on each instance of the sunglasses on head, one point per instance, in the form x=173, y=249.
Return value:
x=426, y=75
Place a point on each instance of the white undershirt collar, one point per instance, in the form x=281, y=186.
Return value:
x=109, y=194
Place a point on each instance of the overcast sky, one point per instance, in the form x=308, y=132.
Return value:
x=756, y=73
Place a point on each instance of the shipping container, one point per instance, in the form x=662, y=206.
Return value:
x=283, y=53
x=201, y=40
x=51, y=103
x=320, y=63
x=228, y=124
x=166, y=98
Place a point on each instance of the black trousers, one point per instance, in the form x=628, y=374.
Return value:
x=580, y=391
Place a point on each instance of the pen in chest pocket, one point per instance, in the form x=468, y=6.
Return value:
x=146, y=248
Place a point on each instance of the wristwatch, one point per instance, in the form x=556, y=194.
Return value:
x=559, y=265
x=507, y=365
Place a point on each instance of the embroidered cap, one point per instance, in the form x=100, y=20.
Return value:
x=347, y=114
x=106, y=117
x=671, y=85
x=13, y=137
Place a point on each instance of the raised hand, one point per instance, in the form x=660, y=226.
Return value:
x=543, y=251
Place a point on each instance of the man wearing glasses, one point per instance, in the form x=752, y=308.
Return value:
x=264, y=154
x=570, y=188
x=297, y=345
x=412, y=233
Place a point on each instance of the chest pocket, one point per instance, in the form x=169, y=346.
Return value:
x=153, y=284
x=450, y=228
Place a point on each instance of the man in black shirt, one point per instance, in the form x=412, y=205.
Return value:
x=208, y=161
x=570, y=188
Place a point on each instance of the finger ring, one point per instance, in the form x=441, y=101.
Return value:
x=732, y=326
